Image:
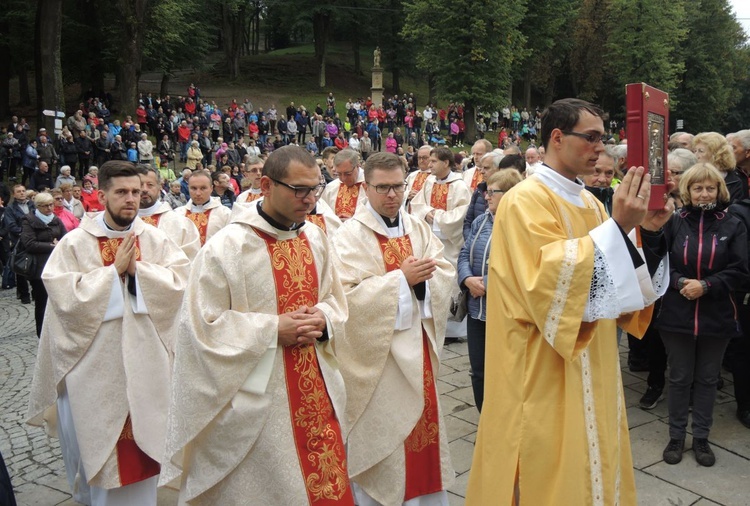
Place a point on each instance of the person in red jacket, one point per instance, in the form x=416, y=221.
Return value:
x=340, y=141
x=183, y=137
x=141, y=117
x=90, y=198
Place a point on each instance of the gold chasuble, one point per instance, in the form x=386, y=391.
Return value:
x=553, y=429
x=132, y=463
x=201, y=222
x=317, y=434
x=422, y=446
x=346, y=199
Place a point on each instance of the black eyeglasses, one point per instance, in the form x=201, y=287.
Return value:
x=490, y=193
x=590, y=138
x=301, y=192
x=385, y=189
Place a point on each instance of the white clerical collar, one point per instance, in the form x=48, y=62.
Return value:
x=562, y=186
x=194, y=208
x=256, y=191
x=150, y=210
x=392, y=232
x=109, y=231
x=445, y=179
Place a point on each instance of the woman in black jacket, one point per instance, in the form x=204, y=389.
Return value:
x=40, y=232
x=698, y=316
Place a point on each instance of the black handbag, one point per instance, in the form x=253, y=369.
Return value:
x=22, y=262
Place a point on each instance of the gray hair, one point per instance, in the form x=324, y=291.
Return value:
x=744, y=137
x=346, y=155
x=683, y=157
x=618, y=153
x=609, y=151
x=496, y=157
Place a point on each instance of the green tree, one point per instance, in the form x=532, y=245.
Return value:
x=177, y=36
x=469, y=47
x=589, y=36
x=714, y=65
x=643, y=46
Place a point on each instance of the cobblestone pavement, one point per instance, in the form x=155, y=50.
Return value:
x=38, y=474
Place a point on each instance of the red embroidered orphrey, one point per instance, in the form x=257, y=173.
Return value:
x=317, y=433
x=201, y=221
x=422, y=446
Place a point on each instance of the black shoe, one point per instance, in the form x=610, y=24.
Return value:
x=26, y=300
x=673, y=452
x=744, y=417
x=451, y=340
x=651, y=398
x=703, y=453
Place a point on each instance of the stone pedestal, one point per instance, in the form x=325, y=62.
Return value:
x=376, y=91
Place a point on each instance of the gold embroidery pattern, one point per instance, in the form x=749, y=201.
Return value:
x=108, y=249
x=346, y=199
x=319, y=220
x=152, y=220
x=201, y=221
x=419, y=180
x=292, y=259
x=316, y=430
x=439, y=196
x=477, y=178
x=253, y=196
x=425, y=432
x=395, y=250
x=127, y=430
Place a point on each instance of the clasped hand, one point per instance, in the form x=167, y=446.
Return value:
x=126, y=255
x=301, y=326
x=417, y=270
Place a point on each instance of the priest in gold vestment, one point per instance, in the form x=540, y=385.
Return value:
x=257, y=394
x=158, y=213
x=553, y=429
x=205, y=211
x=398, y=288
x=104, y=364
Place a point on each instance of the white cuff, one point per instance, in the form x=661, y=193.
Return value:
x=116, y=307
x=404, y=309
x=137, y=302
x=608, y=238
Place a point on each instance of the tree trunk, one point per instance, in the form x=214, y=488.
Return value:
x=47, y=60
x=131, y=50
x=23, y=85
x=431, y=88
x=470, y=120
x=321, y=27
x=4, y=71
x=396, y=81
x=256, y=45
x=527, y=89
x=232, y=27
x=164, y=89
x=356, y=51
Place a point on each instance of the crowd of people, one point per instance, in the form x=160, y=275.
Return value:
x=274, y=316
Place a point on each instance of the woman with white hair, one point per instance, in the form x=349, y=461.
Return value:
x=194, y=155
x=64, y=177
x=145, y=150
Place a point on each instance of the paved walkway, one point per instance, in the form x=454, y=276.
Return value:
x=38, y=475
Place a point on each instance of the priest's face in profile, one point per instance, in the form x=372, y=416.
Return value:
x=121, y=200
x=385, y=191
x=150, y=190
x=577, y=155
x=282, y=202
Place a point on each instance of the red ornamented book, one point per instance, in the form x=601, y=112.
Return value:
x=647, y=126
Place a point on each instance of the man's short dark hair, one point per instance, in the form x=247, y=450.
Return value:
x=215, y=175
x=277, y=165
x=564, y=114
x=329, y=151
x=382, y=161
x=144, y=169
x=115, y=168
x=513, y=162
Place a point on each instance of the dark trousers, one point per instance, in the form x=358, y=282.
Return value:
x=738, y=356
x=475, y=335
x=655, y=353
x=692, y=361
x=22, y=287
x=40, y=303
